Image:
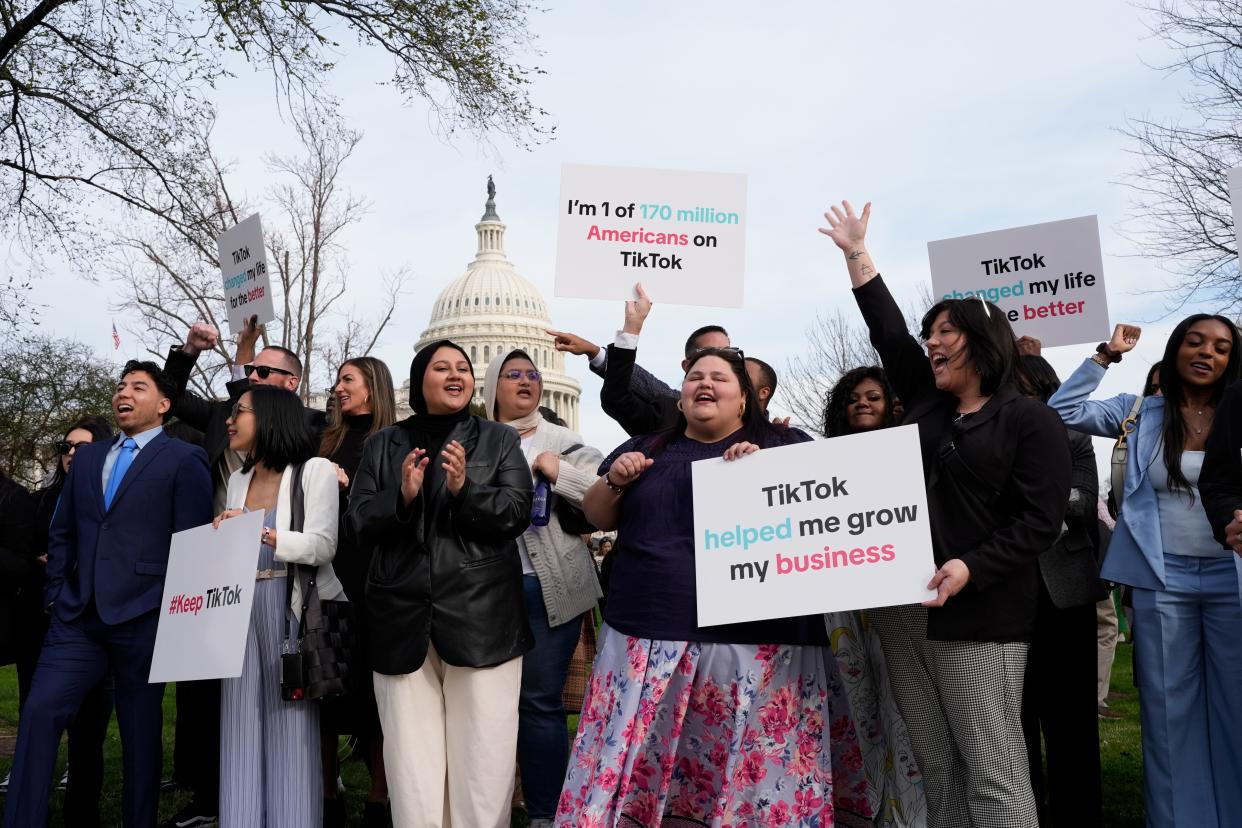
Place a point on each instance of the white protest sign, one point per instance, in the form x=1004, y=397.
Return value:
x=1235, y=200
x=243, y=262
x=207, y=596
x=813, y=527
x=1047, y=278
x=681, y=233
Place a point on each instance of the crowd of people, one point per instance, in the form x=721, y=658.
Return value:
x=448, y=553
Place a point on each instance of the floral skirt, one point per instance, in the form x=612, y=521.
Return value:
x=677, y=733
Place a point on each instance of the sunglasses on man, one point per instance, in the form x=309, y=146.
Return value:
x=265, y=371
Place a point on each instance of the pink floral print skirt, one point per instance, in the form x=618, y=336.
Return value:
x=677, y=733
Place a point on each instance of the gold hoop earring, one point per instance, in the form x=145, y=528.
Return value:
x=679, y=408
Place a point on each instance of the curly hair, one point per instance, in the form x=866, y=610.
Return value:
x=836, y=418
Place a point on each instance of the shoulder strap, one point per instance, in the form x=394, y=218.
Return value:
x=571, y=449
x=304, y=574
x=952, y=460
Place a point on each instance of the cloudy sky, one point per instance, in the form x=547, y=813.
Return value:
x=953, y=118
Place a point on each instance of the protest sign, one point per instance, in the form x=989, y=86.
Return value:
x=813, y=527
x=682, y=234
x=1235, y=200
x=243, y=262
x=207, y=596
x=1047, y=278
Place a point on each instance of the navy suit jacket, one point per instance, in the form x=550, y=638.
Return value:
x=118, y=556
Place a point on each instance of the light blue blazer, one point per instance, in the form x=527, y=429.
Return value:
x=1135, y=555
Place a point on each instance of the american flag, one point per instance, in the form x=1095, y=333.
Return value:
x=116, y=338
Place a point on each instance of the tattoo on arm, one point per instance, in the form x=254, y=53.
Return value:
x=857, y=254
x=867, y=270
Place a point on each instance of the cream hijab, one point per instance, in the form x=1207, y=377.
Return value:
x=492, y=378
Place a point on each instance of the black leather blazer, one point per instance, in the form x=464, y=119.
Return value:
x=454, y=577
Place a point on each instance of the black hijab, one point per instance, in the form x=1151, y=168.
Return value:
x=430, y=430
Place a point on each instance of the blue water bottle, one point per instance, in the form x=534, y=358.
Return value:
x=541, y=505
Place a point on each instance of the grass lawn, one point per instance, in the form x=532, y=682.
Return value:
x=1119, y=748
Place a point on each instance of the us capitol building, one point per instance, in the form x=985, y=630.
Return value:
x=490, y=310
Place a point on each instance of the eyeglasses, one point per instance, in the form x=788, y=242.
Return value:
x=515, y=375
x=65, y=447
x=238, y=408
x=265, y=371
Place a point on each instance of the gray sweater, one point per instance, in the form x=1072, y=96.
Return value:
x=562, y=561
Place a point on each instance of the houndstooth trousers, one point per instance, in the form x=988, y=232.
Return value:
x=962, y=703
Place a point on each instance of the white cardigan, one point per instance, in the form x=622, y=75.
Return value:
x=315, y=545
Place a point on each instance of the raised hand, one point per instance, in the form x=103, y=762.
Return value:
x=1125, y=337
x=413, y=468
x=627, y=468
x=571, y=343
x=848, y=230
x=202, y=337
x=1029, y=346
x=454, y=466
x=636, y=311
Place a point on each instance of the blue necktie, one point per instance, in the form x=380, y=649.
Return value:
x=128, y=449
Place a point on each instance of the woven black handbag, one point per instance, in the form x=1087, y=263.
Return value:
x=325, y=633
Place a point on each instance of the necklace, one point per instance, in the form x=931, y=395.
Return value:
x=1198, y=429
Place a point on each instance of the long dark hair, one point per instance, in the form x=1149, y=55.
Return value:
x=383, y=403
x=281, y=434
x=1039, y=378
x=836, y=417
x=755, y=425
x=1174, y=390
x=990, y=343
x=99, y=428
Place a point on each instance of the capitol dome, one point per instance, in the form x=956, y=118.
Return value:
x=491, y=309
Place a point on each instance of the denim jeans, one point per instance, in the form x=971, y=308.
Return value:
x=543, y=739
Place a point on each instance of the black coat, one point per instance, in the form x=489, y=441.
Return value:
x=1071, y=568
x=452, y=577
x=210, y=416
x=19, y=571
x=637, y=401
x=1220, y=481
x=996, y=505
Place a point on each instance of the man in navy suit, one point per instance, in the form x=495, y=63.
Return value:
x=107, y=555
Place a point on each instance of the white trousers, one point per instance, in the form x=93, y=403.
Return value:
x=450, y=743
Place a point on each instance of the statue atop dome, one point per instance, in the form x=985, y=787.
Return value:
x=489, y=214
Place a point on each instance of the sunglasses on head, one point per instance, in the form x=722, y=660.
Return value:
x=65, y=446
x=265, y=371
x=516, y=374
x=727, y=354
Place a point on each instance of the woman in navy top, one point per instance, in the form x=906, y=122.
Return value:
x=712, y=725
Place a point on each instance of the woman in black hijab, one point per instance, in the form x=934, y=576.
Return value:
x=441, y=498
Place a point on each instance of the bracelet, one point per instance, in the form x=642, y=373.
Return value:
x=613, y=486
x=1108, y=353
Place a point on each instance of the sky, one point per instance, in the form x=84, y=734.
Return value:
x=952, y=118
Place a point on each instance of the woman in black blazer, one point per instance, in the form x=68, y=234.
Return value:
x=441, y=498
x=997, y=466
